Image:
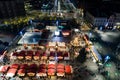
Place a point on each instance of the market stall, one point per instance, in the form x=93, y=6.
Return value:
x=36, y=55
x=21, y=72
x=68, y=69
x=44, y=56
x=31, y=71
x=3, y=69
x=11, y=72
x=42, y=70
x=29, y=55
x=52, y=55
x=21, y=55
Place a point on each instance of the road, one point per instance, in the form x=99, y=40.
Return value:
x=5, y=37
x=105, y=43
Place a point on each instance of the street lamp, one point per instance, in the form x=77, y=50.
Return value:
x=21, y=33
x=90, y=34
x=56, y=58
x=31, y=24
x=57, y=33
x=57, y=23
x=33, y=42
x=106, y=59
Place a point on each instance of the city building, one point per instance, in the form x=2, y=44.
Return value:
x=11, y=8
x=103, y=19
x=96, y=18
x=117, y=21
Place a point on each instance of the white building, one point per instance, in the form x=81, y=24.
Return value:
x=98, y=19
x=117, y=21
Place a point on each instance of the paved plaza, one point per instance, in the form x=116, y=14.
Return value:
x=30, y=38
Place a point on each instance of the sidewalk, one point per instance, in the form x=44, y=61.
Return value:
x=5, y=38
x=93, y=68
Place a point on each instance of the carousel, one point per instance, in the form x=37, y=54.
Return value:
x=75, y=42
x=78, y=42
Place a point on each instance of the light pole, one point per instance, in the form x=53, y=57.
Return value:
x=31, y=25
x=21, y=33
x=106, y=59
x=34, y=40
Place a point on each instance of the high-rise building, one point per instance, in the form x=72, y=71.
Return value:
x=11, y=8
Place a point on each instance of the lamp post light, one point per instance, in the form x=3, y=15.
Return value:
x=106, y=59
x=34, y=40
x=31, y=25
x=56, y=58
x=90, y=34
x=21, y=33
x=57, y=33
x=57, y=23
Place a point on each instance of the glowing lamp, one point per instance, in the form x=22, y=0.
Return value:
x=57, y=33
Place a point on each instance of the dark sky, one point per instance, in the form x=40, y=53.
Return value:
x=109, y=5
